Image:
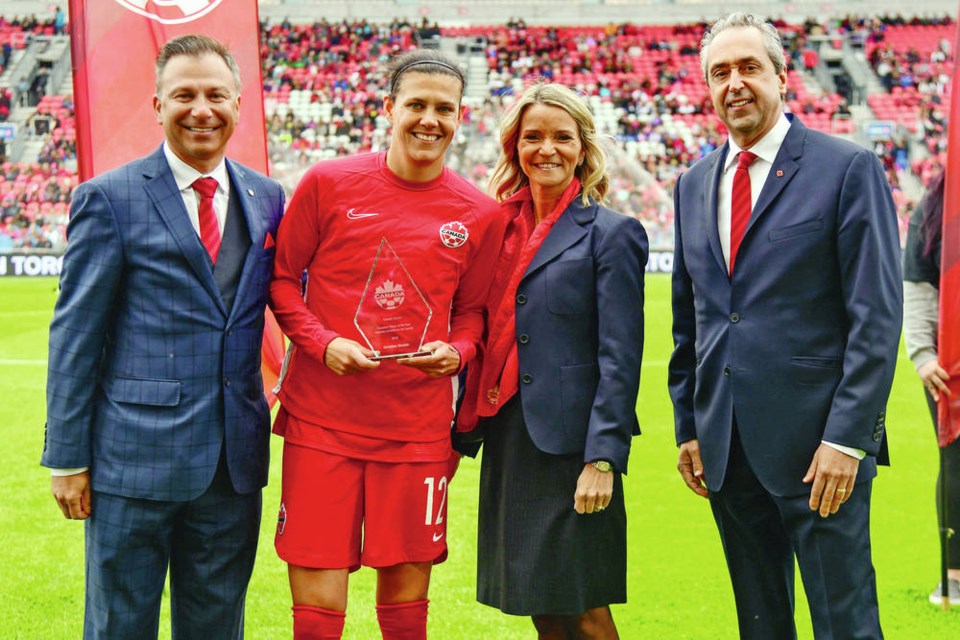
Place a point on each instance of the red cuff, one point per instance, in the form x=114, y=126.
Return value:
x=467, y=351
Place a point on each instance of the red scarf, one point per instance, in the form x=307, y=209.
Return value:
x=493, y=377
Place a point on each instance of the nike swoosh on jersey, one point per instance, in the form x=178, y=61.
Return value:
x=353, y=215
x=437, y=537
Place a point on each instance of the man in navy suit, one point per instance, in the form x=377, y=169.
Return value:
x=786, y=326
x=157, y=427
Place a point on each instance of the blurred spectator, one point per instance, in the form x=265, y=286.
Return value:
x=921, y=275
x=6, y=99
x=59, y=22
x=38, y=86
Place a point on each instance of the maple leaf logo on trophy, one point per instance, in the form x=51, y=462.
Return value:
x=389, y=295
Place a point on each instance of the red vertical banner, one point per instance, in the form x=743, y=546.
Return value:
x=114, y=44
x=949, y=334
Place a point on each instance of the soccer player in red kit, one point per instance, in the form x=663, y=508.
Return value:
x=367, y=456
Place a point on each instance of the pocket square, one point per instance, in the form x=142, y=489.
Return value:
x=268, y=242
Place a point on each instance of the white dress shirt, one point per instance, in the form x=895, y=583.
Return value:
x=185, y=175
x=766, y=150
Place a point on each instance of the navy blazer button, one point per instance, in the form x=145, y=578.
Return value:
x=226, y=381
x=734, y=317
x=527, y=378
x=523, y=339
x=726, y=371
x=521, y=298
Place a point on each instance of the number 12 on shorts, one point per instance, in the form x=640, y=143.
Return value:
x=434, y=487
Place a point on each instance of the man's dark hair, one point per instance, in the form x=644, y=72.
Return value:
x=196, y=45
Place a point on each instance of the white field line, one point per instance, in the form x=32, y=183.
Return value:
x=7, y=362
x=36, y=313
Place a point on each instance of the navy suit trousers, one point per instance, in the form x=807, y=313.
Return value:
x=763, y=533
x=209, y=545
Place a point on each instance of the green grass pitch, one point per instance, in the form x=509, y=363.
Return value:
x=678, y=587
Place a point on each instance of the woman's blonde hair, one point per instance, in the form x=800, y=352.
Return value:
x=508, y=178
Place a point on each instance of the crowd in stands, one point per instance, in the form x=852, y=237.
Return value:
x=35, y=194
x=321, y=87
x=54, y=120
x=16, y=32
x=323, y=90
x=644, y=82
x=914, y=62
x=34, y=203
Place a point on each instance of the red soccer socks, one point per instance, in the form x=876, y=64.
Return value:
x=314, y=623
x=403, y=621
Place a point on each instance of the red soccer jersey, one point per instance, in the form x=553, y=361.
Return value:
x=447, y=235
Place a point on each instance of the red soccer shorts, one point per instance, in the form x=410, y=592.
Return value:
x=329, y=503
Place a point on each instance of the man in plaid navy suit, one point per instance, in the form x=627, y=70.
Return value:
x=157, y=429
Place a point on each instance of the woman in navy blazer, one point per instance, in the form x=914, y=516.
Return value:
x=557, y=384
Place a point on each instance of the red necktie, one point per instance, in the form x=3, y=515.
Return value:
x=741, y=203
x=209, y=227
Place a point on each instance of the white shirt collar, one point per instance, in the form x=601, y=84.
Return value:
x=185, y=175
x=766, y=147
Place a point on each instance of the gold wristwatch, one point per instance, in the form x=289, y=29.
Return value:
x=602, y=466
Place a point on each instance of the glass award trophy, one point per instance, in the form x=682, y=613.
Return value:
x=393, y=315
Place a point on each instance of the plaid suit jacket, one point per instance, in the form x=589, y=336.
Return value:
x=149, y=374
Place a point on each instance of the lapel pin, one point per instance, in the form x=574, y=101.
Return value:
x=779, y=174
x=250, y=191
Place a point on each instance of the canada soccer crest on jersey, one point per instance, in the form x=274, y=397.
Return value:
x=171, y=11
x=454, y=234
x=389, y=295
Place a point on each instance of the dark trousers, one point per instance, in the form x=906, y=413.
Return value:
x=209, y=545
x=948, y=477
x=762, y=534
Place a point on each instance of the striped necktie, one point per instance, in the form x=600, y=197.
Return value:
x=209, y=227
x=741, y=203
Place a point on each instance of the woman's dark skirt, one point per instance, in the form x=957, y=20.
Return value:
x=535, y=554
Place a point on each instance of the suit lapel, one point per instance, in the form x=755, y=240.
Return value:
x=566, y=232
x=162, y=190
x=710, y=190
x=243, y=190
x=781, y=173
